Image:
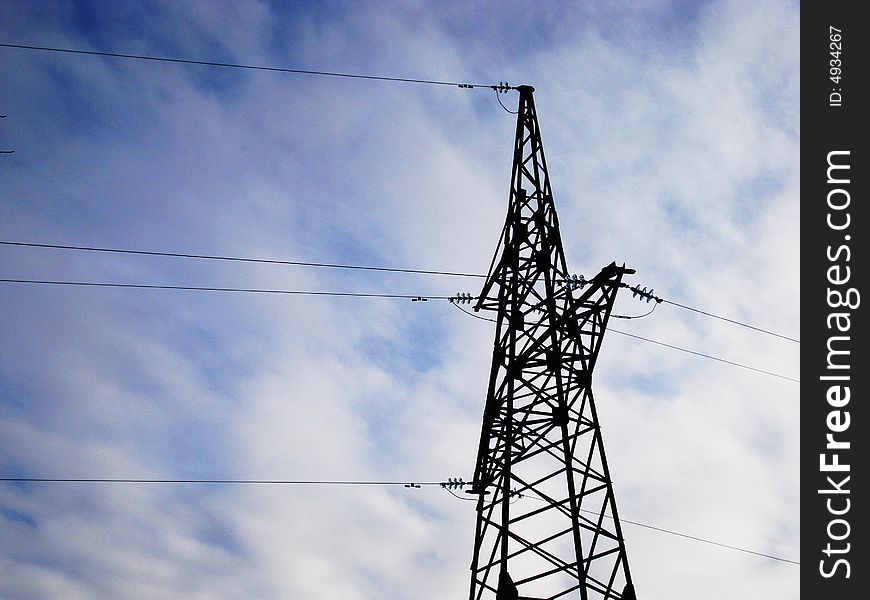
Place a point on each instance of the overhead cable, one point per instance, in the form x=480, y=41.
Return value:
x=747, y=325
x=683, y=535
x=356, y=267
x=722, y=360
x=296, y=263
x=209, y=63
x=215, y=481
x=412, y=297
x=295, y=482
x=706, y=541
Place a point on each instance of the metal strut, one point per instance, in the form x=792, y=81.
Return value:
x=540, y=437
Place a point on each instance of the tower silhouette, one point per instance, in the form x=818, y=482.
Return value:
x=547, y=525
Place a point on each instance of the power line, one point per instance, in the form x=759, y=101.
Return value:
x=722, y=360
x=412, y=297
x=683, y=535
x=165, y=59
x=628, y=317
x=296, y=482
x=213, y=481
x=513, y=112
x=471, y=314
x=343, y=266
x=747, y=325
x=706, y=541
x=270, y=261
x=648, y=295
x=729, y=362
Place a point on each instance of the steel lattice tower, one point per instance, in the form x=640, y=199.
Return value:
x=547, y=525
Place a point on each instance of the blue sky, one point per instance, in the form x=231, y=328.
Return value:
x=671, y=132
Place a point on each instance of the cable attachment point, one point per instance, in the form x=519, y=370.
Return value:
x=573, y=282
x=453, y=483
x=461, y=298
x=503, y=87
x=644, y=294
x=419, y=299
x=412, y=485
x=466, y=86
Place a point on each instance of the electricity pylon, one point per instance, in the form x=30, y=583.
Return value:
x=547, y=525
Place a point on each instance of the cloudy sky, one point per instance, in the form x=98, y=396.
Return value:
x=671, y=132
